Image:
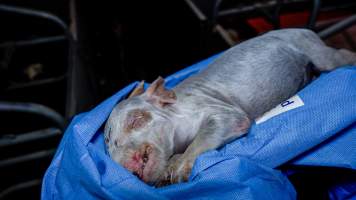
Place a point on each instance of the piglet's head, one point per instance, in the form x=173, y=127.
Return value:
x=139, y=132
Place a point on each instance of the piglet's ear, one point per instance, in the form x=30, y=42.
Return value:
x=138, y=90
x=157, y=94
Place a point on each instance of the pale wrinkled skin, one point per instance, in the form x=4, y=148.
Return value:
x=127, y=143
x=215, y=106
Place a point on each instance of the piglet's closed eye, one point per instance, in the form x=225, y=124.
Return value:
x=136, y=119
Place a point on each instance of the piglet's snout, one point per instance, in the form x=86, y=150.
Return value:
x=136, y=163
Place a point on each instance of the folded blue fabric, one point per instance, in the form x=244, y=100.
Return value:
x=320, y=132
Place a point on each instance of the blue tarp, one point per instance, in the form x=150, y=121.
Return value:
x=320, y=133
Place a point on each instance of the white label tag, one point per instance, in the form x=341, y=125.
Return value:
x=290, y=104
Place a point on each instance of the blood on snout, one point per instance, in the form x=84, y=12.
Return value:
x=136, y=119
x=138, y=159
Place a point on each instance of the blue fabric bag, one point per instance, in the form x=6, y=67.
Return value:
x=322, y=132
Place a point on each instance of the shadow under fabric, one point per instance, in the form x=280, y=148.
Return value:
x=322, y=132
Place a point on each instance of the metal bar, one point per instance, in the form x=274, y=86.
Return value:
x=336, y=28
x=254, y=7
x=225, y=36
x=8, y=53
x=20, y=186
x=14, y=139
x=216, y=11
x=196, y=10
x=36, y=83
x=346, y=5
x=73, y=67
x=70, y=102
x=35, y=13
x=277, y=13
x=270, y=4
x=314, y=14
x=34, y=109
x=27, y=157
x=34, y=41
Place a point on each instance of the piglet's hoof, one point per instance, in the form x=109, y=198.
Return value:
x=178, y=170
x=162, y=183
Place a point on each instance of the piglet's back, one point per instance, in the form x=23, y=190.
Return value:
x=256, y=74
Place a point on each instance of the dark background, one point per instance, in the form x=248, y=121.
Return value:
x=92, y=49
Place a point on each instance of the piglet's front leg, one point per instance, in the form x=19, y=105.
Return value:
x=179, y=169
x=216, y=130
x=173, y=168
